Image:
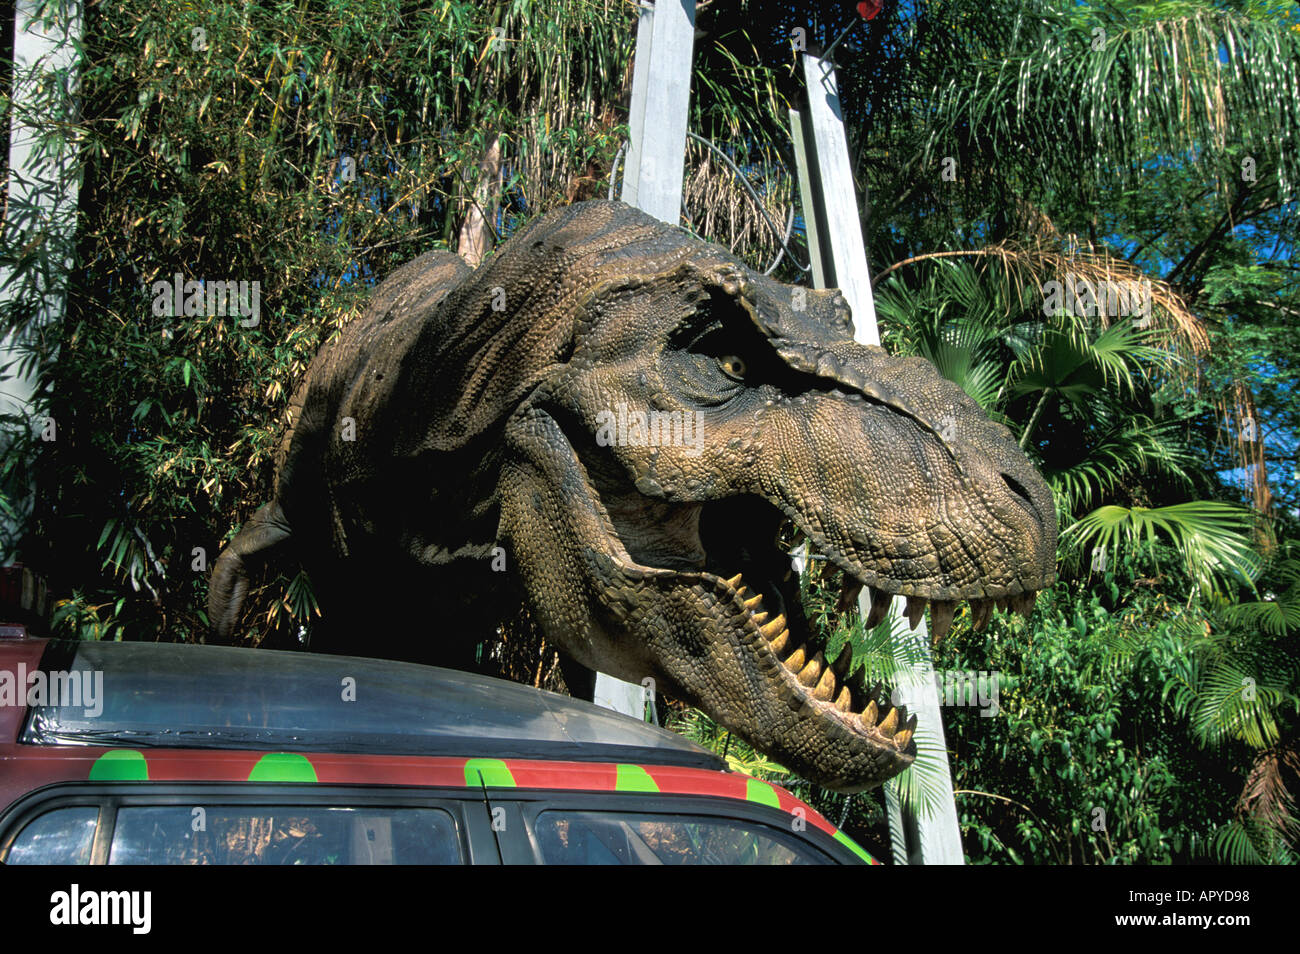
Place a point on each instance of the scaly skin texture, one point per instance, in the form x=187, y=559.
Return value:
x=469, y=443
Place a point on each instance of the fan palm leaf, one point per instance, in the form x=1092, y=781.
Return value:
x=1214, y=538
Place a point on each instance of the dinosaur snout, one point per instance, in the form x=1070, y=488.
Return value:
x=916, y=491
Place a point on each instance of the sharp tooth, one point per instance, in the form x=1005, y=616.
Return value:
x=915, y=609
x=750, y=604
x=905, y=734
x=825, y=690
x=778, y=645
x=874, y=692
x=760, y=619
x=734, y=581
x=870, y=713
x=843, y=661
x=849, y=595
x=845, y=702
x=889, y=725
x=809, y=673
x=742, y=591
x=941, y=614
x=880, y=601
x=980, y=611
x=1004, y=603
x=1024, y=604
x=796, y=661
x=774, y=628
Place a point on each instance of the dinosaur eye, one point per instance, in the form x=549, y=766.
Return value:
x=733, y=366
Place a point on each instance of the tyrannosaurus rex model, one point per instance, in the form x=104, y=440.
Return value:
x=609, y=420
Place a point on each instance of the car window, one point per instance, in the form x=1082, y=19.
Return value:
x=283, y=835
x=618, y=838
x=59, y=837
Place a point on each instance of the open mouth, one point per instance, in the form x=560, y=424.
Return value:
x=743, y=555
x=742, y=538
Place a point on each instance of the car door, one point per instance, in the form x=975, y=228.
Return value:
x=225, y=824
x=618, y=829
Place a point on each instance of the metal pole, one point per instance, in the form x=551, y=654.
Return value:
x=652, y=177
x=839, y=259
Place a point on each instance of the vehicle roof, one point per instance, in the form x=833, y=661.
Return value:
x=188, y=713
x=191, y=696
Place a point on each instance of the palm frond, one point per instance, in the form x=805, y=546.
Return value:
x=1137, y=445
x=1215, y=538
x=1102, y=89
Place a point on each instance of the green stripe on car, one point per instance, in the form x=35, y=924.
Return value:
x=633, y=778
x=761, y=792
x=852, y=845
x=283, y=767
x=489, y=773
x=120, y=765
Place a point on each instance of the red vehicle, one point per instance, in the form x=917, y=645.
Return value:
x=149, y=753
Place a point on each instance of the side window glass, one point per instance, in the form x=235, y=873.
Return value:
x=617, y=838
x=283, y=835
x=59, y=837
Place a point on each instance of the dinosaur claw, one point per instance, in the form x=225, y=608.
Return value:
x=809, y=674
x=773, y=629
x=848, y=596
x=869, y=714
x=843, y=661
x=825, y=690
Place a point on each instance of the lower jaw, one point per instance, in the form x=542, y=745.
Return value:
x=855, y=747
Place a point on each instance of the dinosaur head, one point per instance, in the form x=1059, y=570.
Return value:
x=692, y=408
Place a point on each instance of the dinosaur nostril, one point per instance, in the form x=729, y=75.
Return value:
x=1016, y=486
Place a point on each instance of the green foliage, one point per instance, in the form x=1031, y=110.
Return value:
x=310, y=148
x=1213, y=536
x=313, y=146
x=1103, y=773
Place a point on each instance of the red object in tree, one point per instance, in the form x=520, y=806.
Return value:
x=868, y=9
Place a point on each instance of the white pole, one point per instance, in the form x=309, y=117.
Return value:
x=661, y=95
x=829, y=198
x=43, y=187
x=652, y=177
